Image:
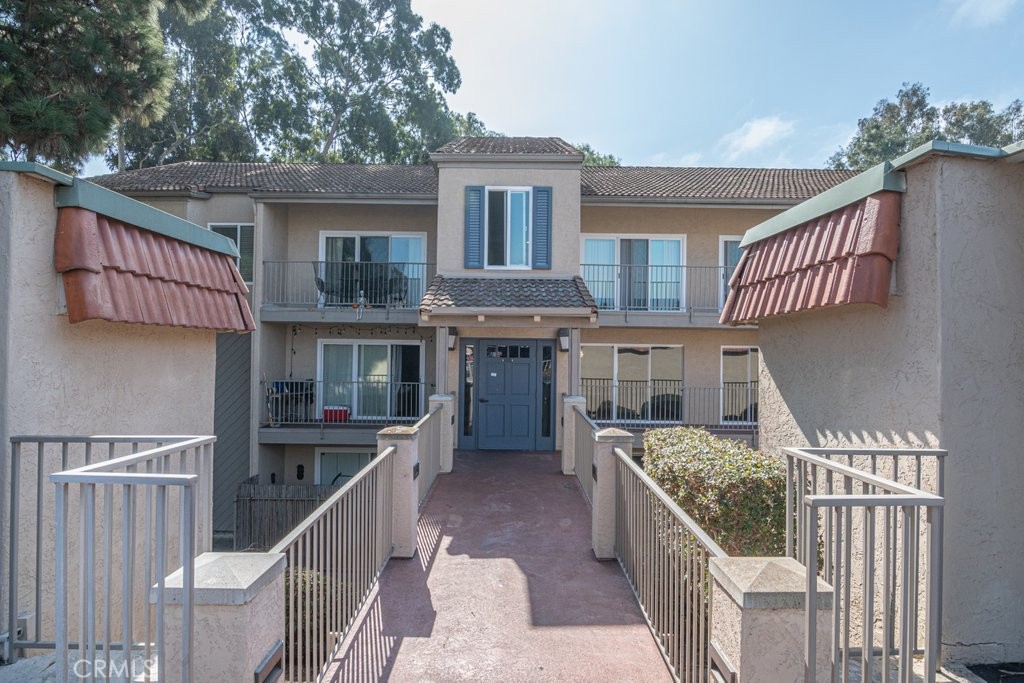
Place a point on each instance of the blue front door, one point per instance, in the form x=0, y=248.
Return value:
x=507, y=395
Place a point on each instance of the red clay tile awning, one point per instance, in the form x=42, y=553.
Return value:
x=844, y=257
x=119, y=272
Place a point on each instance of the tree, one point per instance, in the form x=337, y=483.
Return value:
x=591, y=157
x=206, y=107
x=898, y=127
x=368, y=85
x=71, y=69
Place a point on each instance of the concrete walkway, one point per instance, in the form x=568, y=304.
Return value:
x=504, y=587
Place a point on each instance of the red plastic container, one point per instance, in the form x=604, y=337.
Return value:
x=335, y=413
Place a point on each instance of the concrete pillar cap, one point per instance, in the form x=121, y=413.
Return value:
x=767, y=582
x=225, y=578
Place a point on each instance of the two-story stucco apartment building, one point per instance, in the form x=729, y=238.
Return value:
x=504, y=272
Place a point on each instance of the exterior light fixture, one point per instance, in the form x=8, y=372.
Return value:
x=453, y=336
x=563, y=339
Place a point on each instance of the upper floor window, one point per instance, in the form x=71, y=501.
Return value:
x=636, y=273
x=242, y=235
x=508, y=227
x=378, y=269
x=728, y=258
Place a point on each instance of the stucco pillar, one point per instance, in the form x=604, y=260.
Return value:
x=758, y=621
x=447, y=404
x=575, y=383
x=405, y=494
x=604, y=473
x=441, y=359
x=238, y=615
x=569, y=404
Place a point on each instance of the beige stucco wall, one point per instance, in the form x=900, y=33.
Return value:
x=565, y=222
x=942, y=366
x=307, y=221
x=218, y=208
x=702, y=226
x=93, y=377
x=981, y=286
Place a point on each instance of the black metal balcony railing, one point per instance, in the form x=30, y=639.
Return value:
x=309, y=284
x=657, y=289
x=640, y=403
x=367, y=402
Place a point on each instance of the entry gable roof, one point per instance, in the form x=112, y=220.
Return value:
x=509, y=295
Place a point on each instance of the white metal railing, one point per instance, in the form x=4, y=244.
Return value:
x=344, y=284
x=429, y=443
x=334, y=559
x=656, y=289
x=858, y=517
x=138, y=517
x=583, y=458
x=665, y=556
x=636, y=404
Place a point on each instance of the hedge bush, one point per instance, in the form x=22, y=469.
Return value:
x=736, y=494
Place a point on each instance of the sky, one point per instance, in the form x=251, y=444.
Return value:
x=718, y=82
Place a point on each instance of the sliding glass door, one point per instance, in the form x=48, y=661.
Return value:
x=634, y=274
x=371, y=379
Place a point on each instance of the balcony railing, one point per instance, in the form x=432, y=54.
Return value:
x=336, y=284
x=371, y=402
x=657, y=289
x=643, y=404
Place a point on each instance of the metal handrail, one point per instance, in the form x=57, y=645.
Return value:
x=665, y=556
x=142, y=483
x=821, y=496
x=326, y=284
x=656, y=288
x=335, y=557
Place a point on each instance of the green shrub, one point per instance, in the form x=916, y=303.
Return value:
x=736, y=494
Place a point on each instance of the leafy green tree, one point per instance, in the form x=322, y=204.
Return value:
x=591, y=157
x=367, y=85
x=899, y=126
x=71, y=69
x=206, y=107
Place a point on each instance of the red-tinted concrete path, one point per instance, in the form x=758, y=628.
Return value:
x=504, y=587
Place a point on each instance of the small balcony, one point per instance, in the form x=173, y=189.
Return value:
x=346, y=412
x=637, y=294
x=636, y=405
x=343, y=290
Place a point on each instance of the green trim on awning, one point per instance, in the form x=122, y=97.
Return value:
x=33, y=168
x=75, y=192
x=89, y=196
x=885, y=176
x=873, y=180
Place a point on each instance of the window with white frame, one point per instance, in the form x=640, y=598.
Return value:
x=627, y=383
x=739, y=383
x=507, y=234
x=242, y=235
x=381, y=268
x=335, y=466
x=635, y=273
x=369, y=379
x=728, y=258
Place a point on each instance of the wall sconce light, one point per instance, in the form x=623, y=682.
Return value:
x=453, y=337
x=563, y=339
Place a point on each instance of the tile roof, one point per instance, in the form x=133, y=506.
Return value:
x=506, y=292
x=210, y=176
x=675, y=183
x=843, y=257
x=597, y=182
x=507, y=145
x=119, y=272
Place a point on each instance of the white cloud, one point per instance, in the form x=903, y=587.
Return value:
x=690, y=159
x=755, y=135
x=981, y=13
